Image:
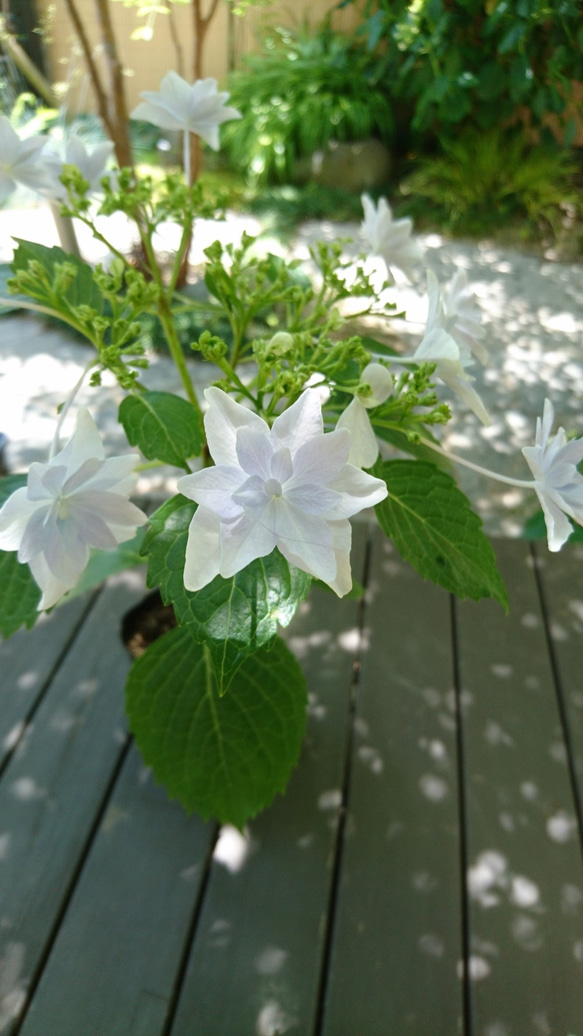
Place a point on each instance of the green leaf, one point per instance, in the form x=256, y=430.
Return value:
x=163, y=426
x=105, y=563
x=221, y=757
x=82, y=290
x=433, y=527
x=235, y=616
x=20, y=594
x=380, y=348
x=9, y=484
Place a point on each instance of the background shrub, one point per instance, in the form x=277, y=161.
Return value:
x=304, y=89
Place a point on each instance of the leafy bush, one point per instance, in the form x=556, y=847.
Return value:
x=485, y=179
x=476, y=61
x=301, y=91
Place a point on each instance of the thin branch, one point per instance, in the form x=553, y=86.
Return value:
x=100, y=94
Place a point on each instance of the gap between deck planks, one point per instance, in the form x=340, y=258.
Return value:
x=115, y=919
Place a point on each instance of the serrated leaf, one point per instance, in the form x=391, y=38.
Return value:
x=235, y=616
x=20, y=594
x=433, y=527
x=82, y=290
x=163, y=426
x=221, y=757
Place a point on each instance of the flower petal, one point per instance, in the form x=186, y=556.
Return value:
x=358, y=491
x=203, y=550
x=222, y=421
x=300, y=422
x=364, y=448
x=14, y=517
x=213, y=489
x=321, y=457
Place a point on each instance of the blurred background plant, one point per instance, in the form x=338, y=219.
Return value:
x=488, y=181
x=476, y=63
x=477, y=104
x=303, y=89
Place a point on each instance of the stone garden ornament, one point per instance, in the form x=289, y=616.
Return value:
x=305, y=427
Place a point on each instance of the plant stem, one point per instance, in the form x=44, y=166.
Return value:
x=67, y=406
x=520, y=482
x=176, y=351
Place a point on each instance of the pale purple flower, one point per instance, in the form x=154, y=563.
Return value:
x=78, y=500
x=438, y=347
x=199, y=108
x=389, y=238
x=364, y=448
x=454, y=309
x=21, y=161
x=558, y=484
x=288, y=486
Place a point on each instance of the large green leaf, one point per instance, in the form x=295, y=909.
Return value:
x=234, y=617
x=433, y=527
x=163, y=426
x=82, y=290
x=19, y=594
x=221, y=757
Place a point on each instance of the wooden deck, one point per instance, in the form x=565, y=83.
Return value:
x=444, y=739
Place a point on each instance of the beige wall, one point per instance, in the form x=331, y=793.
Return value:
x=229, y=37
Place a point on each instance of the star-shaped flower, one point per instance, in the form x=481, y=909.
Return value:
x=196, y=109
x=376, y=385
x=438, y=347
x=76, y=501
x=288, y=486
x=389, y=238
x=558, y=484
x=20, y=161
x=454, y=309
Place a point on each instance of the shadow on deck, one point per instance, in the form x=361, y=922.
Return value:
x=444, y=739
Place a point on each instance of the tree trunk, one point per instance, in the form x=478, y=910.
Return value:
x=117, y=97
x=113, y=112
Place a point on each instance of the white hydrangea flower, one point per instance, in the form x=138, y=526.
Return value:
x=455, y=310
x=288, y=486
x=20, y=161
x=558, y=484
x=196, y=109
x=91, y=164
x=364, y=448
x=437, y=346
x=78, y=500
x=391, y=239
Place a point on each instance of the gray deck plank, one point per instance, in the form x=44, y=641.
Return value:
x=113, y=967
x=525, y=875
x=27, y=664
x=398, y=938
x=52, y=788
x=255, y=963
x=561, y=577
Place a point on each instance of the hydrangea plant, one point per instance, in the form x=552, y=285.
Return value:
x=305, y=427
